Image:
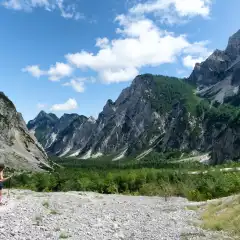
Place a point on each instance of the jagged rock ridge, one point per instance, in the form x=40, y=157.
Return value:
x=62, y=136
x=218, y=78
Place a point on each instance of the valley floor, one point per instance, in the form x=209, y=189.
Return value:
x=85, y=216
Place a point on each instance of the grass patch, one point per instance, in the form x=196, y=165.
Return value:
x=45, y=204
x=54, y=212
x=193, y=208
x=63, y=235
x=223, y=215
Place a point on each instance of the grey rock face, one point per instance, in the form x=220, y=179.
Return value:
x=73, y=137
x=127, y=120
x=226, y=145
x=18, y=148
x=217, y=77
x=42, y=126
x=64, y=136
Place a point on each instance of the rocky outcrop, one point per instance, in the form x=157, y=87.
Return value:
x=217, y=78
x=18, y=148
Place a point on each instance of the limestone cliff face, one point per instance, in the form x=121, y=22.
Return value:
x=217, y=78
x=18, y=148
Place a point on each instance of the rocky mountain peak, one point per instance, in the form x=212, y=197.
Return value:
x=46, y=116
x=42, y=114
x=217, y=77
x=69, y=115
x=233, y=48
x=5, y=101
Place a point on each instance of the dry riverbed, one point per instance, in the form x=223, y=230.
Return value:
x=85, y=216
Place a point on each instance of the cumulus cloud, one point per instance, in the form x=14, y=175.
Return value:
x=34, y=70
x=172, y=11
x=12, y=4
x=55, y=72
x=141, y=43
x=66, y=10
x=121, y=75
x=77, y=84
x=70, y=104
x=102, y=42
x=196, y=53
x=58, y=71
x=190, y=61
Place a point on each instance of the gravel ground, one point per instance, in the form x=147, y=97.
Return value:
x=85, y=216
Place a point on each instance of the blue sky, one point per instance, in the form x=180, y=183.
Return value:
x=71, y=56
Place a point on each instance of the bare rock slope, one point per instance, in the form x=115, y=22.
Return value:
x=18, y=148
x=217, y=78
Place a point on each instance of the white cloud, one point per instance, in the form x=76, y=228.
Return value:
x=172, y=11
x=196, y=53
x=60, y=70
x=141, y=43
x=70, y=104
x=198, y=47
x=12, y=4
x=66, y=10
x=102, y=42
x=55, y=72
x=190, y=61
x=34, y=70
x=76, y=84
x=121, y=75
x=41, y=106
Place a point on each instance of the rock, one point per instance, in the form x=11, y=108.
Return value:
x=131, y=222
x=216, y=77
x=63, y=136
x=18, y=148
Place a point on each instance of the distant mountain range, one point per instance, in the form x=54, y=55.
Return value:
x=166, y=114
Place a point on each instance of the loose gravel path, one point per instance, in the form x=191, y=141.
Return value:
x=91, y=216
